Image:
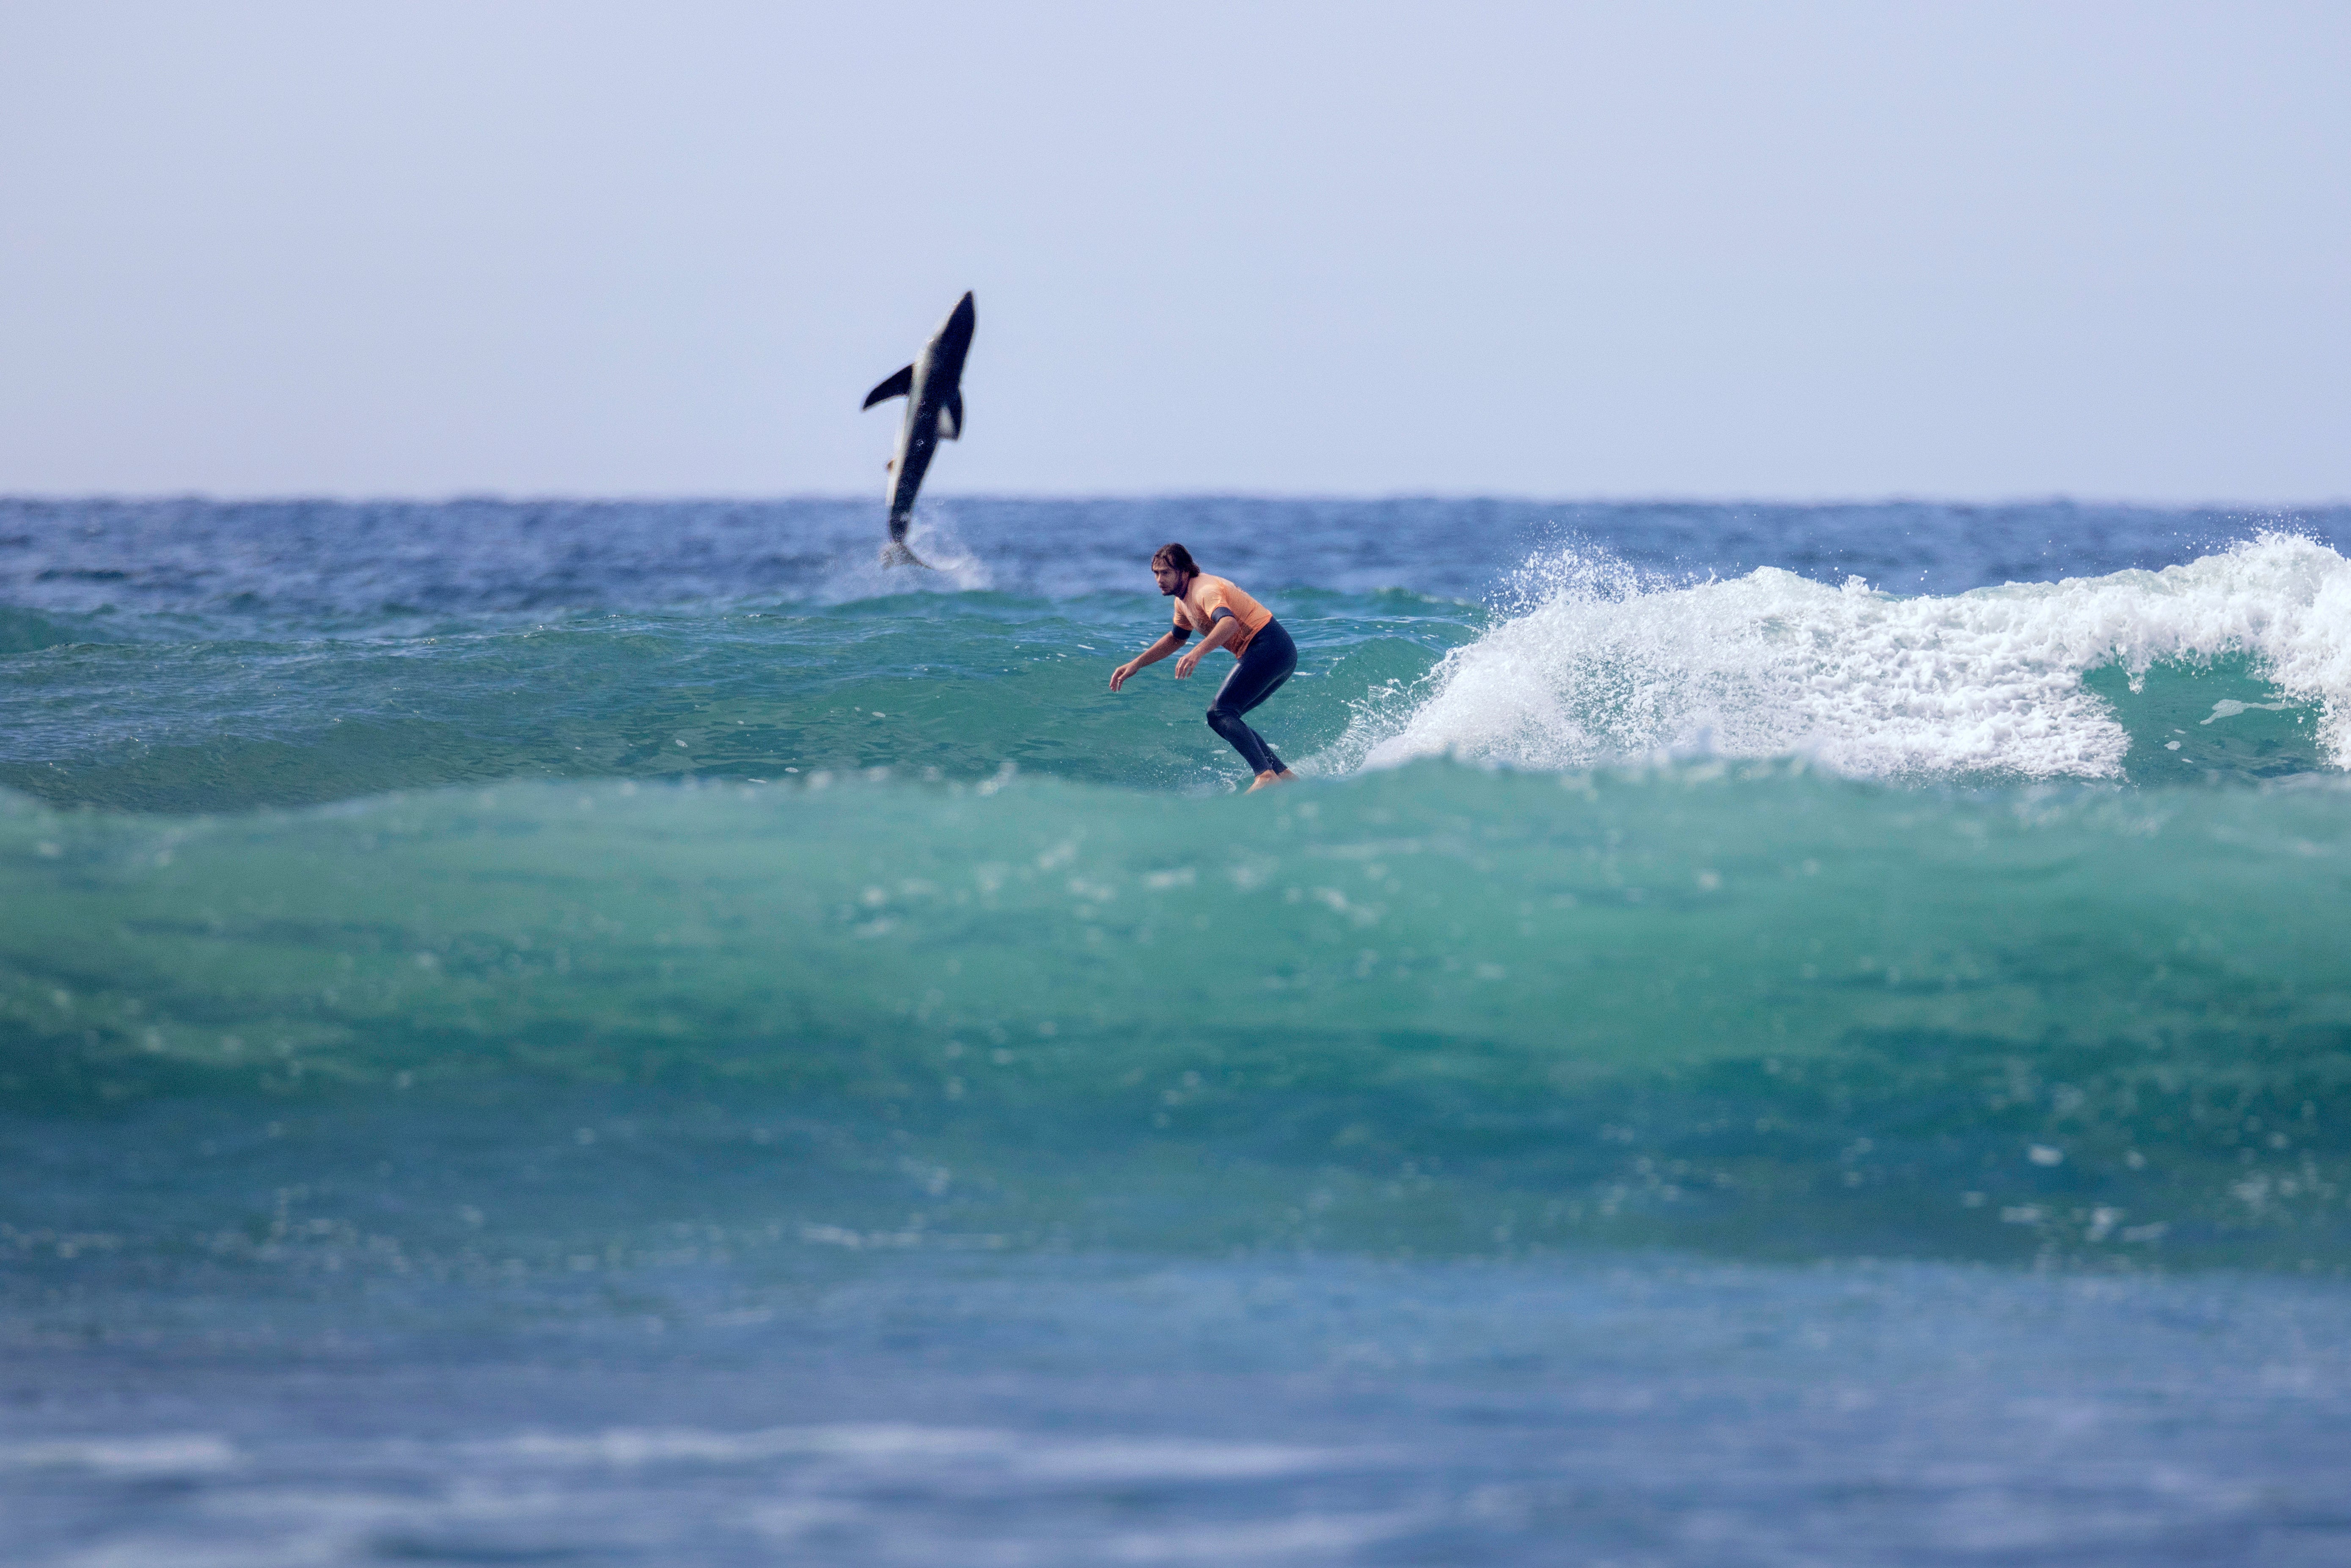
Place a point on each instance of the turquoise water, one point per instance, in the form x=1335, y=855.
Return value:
x=554, y=985
x=1736, y=1005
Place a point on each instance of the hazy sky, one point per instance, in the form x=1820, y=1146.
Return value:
x=1760, y=250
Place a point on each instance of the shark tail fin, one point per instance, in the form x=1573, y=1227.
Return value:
x=951, y=416
x=897, y=383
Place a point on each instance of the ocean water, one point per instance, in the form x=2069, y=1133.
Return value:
x=623, y=1033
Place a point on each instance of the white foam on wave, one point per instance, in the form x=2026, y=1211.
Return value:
x=1602, y=663
x=137, y=1455
x=1095, y=1459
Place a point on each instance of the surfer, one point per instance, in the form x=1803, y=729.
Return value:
x=1236, y=623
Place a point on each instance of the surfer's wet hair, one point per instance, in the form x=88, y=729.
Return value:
x=1177, y=557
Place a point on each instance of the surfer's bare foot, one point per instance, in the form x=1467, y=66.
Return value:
x=1267, y=780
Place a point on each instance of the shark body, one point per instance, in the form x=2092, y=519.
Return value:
x=933, y=388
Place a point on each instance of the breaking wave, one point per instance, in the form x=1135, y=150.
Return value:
x=1601, y=661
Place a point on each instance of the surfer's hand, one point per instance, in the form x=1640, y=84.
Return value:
x=1118, y=677
x=1187, y=663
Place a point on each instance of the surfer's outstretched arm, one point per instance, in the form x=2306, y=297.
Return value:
x=1168, y=643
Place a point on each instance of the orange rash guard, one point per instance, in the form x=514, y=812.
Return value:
x=1197, y=607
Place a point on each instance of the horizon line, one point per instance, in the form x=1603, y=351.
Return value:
x=1325, y=497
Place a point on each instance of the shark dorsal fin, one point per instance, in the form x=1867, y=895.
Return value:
x=951, y=416
x=897, y=383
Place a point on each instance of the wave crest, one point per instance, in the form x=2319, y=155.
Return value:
x=1602, y=663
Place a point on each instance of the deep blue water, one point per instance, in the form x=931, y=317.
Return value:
x=624, y=1033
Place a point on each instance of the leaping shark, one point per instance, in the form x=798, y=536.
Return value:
x=933, y=388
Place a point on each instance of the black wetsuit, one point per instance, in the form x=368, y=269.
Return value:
x=1258, y=674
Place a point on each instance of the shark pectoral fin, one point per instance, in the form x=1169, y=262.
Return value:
x=897, y=383
x=951, y=416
